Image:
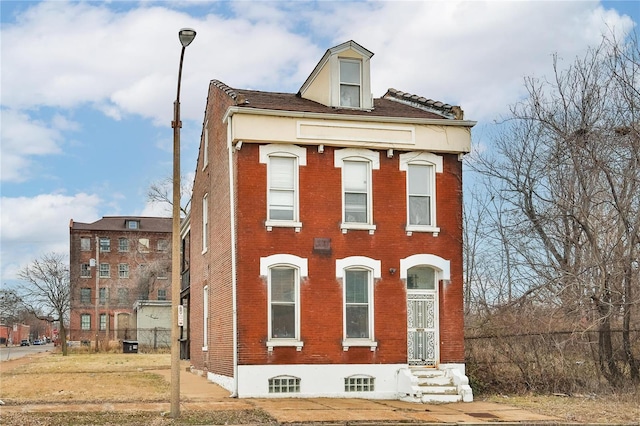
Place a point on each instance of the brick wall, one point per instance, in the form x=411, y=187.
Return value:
x=212, y=268
x=321, y=293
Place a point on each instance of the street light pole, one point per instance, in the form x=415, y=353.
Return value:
x=186, y=36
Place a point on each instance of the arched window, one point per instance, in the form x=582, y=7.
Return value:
x=357, y=189
x=283, y=194
x=284, y=273
x=358, y=274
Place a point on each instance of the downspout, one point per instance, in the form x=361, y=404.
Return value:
x=232, y=208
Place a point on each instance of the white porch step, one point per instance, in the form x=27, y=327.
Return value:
x=434, y=386
x=434, y=399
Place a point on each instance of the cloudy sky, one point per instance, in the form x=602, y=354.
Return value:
x=87, y=88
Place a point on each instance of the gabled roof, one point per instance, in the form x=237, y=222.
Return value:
x=393, y=104
x=332, y=51
x=118, y=223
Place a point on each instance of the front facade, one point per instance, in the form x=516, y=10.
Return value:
x=326, y=240
x=113, y=263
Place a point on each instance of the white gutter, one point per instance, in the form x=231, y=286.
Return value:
x=232, y=208
x=323, y=116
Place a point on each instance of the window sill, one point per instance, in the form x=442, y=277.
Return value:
x=347, y=343
x=270, y=224
x=298, y=344
x=422, y=228
x=344, y=227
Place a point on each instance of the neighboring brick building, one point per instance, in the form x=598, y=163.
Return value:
x=326, y=234
x=113, y=263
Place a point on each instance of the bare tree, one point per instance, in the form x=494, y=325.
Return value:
x=566, y=171
x=160, y=193
x=46, y=291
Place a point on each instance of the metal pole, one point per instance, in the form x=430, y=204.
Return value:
x=175, y=254
x=96, y=320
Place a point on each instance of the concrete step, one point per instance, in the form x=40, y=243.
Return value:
x=433, y=398
x=439, y=380
x=439, y=390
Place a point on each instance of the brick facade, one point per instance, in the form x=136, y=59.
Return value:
x=237, y=124
x=148, y=259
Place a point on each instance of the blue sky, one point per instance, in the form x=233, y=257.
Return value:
x=87, y=88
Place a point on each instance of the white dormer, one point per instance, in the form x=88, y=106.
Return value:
x=342, y=78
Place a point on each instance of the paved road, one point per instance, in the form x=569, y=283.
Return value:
x=14, y=352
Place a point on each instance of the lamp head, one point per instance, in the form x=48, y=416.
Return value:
x=186, y=36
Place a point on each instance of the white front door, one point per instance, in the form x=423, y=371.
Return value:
x=422, y=317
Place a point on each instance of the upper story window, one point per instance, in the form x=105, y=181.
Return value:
x=85, y=295
x=162, y=294
x=105, y=270
x=421, y=171
x=357, y=189
x=133, y=224
x=85, y=270
x=123, y=244
x=283, y=162
x=85, y=243
x=350, y=83
x=163, y=245
x=284, y=273
x=143, y=245
x=358, y=274
x=105, y=244
x=123, y=270
x=205, y=223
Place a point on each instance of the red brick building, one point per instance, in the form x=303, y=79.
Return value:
x=326, y=240
x=114, y=262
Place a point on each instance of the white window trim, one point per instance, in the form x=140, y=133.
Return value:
x=205, y=318
x=366, y=99
x=205, y=221
x=429, y=159
x=301, y=266
x=205, y=148
x=289, y=151
x=364, y=155
x=374, y=268
x=442, y=266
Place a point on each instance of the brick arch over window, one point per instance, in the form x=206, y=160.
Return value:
x=436, y=262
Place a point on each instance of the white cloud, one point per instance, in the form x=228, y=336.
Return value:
x=59, y=58
x=23, y=138
x=37, y=225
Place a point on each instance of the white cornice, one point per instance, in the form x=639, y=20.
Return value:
x=324, y=116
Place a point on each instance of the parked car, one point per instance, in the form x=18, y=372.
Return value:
x=24, y=342
x=37, y=342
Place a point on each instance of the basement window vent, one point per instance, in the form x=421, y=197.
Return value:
x=359, y=384
x=284, y=384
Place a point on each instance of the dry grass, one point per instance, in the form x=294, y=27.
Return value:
x=623, y=409
x=85, y=378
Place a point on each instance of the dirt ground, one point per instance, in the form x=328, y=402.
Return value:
x=133, y=380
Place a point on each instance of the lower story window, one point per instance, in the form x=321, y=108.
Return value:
x=359, y=384
x=85, y=322
x=284, y=384
x=103, y=322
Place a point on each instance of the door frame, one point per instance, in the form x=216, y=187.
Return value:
x=442, y=270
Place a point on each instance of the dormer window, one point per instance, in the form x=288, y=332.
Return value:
x=133, y=224
x=342, y=78
x=350, y=83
